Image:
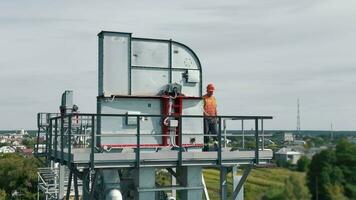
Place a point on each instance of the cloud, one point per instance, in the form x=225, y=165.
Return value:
x=262, y=55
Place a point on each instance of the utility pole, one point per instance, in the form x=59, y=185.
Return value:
x=298, y=117
x=332, y=131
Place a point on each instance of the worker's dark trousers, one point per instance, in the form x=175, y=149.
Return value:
x=210, y=128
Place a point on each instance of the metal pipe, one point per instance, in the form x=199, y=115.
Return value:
x=138, y=142
x=92, y=142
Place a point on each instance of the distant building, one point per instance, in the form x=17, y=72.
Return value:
x=22, y=132
x=7, y=149
x=285, y=137
x=285, y=155
x=299, y=142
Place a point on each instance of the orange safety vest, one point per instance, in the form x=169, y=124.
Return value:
x=210, y=105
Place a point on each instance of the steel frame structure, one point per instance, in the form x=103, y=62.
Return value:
x=60, y=148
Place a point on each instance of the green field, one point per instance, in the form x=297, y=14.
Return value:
x=259, y=182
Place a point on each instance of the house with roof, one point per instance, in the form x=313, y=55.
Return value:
x=287, y=155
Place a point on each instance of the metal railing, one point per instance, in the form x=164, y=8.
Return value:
x=72, y=131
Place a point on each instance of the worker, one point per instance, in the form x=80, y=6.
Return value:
x=210, y=113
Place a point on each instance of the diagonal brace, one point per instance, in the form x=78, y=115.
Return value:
x=242, y=181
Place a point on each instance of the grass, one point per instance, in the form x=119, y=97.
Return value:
x=259, y=182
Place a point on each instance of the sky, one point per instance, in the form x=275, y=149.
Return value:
x=261, y=55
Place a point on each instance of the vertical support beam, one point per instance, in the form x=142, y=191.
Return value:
x=173, y=181
x=50, y=139
x=62, y=139
x=138, y=142
x=38, y=131
x=93, y=185
x=191, y=177
x=69, y=184
x=70, y=139
x=263, y=136
x=225, y=138
x=55, y=138
x=243, y=134
x=61, y=181
x=180, y=152
x=145, y=178
x=86, y=180
x=242, y=180
x=48, y=133
x=235, y=181
x=219, y=141
x=76, y=192
x=93, y=137
x=223, y=183
x=257, y=142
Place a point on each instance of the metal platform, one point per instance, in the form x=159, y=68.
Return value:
x=81, y=158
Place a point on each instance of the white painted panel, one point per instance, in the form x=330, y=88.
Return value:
x=117, y=125
x=193, y=125
x=149, y=81
x=188, y=89
x=115, y=64
x=151, y=126
x=182, y=57
x=150, y=53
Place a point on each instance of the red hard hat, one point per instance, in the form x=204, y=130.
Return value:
x=210, y=87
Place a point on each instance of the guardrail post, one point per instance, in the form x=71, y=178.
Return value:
x=92, y=141
x=225, y=138
x=257, y=142
x=38, y=132
x=50, y=139
x=138, y=142
x=48, y=133
x=62, y=139
x=55, y=138
x=69, y=138
x=219, y=143
x=263, y=136
x=180, y=138
x=243, y=134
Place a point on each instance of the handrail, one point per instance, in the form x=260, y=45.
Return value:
x=66, y=134
x=237, y=117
